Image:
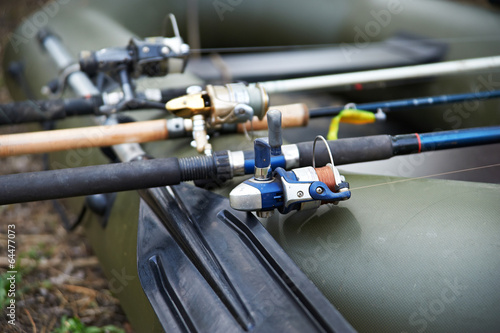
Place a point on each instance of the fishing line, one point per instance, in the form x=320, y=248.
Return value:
x=313, y=46
x=429, y=176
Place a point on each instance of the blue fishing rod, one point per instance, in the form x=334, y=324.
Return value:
x=406, y=104
x=224, y=165
x=378, y=147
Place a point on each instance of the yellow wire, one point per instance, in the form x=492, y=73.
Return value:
x=350, y=116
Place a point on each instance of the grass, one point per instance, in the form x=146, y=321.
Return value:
x=74, y=325
x=41, y=250
x=4, y=288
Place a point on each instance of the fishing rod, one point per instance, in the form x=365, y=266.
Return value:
x=356, y=114
x=209, y=109
x=406, y=104
x=224, y=165
x=113, y=133
x=43, y=110
x=382, y=75
x=152, y=56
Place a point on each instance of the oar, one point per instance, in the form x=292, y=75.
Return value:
x=224, y=165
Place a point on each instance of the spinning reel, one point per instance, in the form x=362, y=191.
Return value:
x=218, y=105
x=152, y=57
x=286, y=191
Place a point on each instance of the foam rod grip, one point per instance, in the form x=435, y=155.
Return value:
x=293, y=115
x=84, y=137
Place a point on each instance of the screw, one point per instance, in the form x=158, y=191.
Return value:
x=300, y=194
x=319, y=190
x=145, y=49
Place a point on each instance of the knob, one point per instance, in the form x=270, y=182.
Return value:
x=274, y=126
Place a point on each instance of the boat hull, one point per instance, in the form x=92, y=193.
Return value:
x=411, y=255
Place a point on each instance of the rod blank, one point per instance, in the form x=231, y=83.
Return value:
x=405, y=104
x=382, y=75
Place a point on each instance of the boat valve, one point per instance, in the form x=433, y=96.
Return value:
x=218, y=105
x=286, y=191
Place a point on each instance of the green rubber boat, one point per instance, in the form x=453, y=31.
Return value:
x=415, y=248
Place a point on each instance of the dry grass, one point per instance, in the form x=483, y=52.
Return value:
x=59, y=275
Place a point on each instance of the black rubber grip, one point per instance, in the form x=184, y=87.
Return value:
x=97, y=179
x=346, y=151
x=43, y=110
x=168, y=94
x=197, y=168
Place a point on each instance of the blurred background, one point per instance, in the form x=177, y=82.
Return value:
x=61, y=286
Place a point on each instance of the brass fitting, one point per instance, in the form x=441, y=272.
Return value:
x=190, y=105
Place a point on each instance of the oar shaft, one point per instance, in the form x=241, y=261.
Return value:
x=382, y=75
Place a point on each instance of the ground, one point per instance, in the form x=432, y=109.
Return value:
x=59, y=279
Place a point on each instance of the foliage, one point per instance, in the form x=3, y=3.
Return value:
x=4, y=288
x=74, y=325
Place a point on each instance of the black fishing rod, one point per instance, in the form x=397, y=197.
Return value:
x=43, y=110
x=225, y=165
x=406, y=104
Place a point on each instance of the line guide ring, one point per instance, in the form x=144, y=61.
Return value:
x=327, y=147
x=336, y=174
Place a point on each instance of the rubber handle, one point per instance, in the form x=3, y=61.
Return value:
x=43, y=110
x=54, y=184
x=346, y=151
